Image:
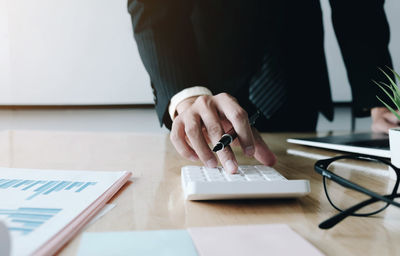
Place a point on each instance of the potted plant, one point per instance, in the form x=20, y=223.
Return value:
x=393, y=92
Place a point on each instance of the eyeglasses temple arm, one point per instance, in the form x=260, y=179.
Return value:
x=351, y=185
x=342, y=215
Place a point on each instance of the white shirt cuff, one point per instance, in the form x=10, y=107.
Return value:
x=184, y=94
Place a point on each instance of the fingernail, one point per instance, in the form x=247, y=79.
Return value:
x=249, y=151
x=212, y=163
x=230, y=165
x=194, y=158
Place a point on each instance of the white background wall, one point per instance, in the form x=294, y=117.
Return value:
x=69, y=52
x=82, y=52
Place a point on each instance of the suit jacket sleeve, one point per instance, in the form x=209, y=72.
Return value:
x=167, y=46
x=363, y=34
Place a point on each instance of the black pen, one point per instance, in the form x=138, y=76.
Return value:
x=230, y=135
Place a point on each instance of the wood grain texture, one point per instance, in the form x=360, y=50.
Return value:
x=153, y=198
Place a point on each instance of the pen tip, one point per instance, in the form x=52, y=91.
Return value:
x=217, y=147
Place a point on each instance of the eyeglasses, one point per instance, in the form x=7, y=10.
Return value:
x=344, y=194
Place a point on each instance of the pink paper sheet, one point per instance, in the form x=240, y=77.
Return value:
x=254, y=240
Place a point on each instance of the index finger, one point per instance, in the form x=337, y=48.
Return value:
x=239, y=120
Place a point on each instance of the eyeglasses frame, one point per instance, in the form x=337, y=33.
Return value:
x=321, y=167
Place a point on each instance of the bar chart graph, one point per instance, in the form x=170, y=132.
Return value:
x=42, y=208
x=25, y=219
x=44, y=187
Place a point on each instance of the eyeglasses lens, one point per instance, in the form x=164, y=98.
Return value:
x=365, y=173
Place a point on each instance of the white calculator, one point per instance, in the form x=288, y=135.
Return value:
x=251, y=181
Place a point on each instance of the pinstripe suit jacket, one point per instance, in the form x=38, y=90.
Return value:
x=219, y=44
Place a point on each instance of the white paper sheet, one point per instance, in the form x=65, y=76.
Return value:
x=38, y=204
x=254, y=240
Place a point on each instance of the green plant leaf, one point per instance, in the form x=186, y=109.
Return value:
x=396, y=94
x=381, y=84
x=388, y=77
x=393, y=83
x=394, y=72
x=387, y=93
x=390, y=108
x=395, y=89
x=390, y=89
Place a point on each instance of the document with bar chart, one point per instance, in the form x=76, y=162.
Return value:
x=43, y=209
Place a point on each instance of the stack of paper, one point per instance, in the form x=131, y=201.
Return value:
x=43, y=209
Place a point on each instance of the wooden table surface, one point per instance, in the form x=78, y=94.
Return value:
x=153, y=199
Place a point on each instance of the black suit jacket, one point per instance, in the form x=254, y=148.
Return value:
x=219, y=44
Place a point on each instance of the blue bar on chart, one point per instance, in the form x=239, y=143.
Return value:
x=26, y=219
x=75, y=184
x=58, y=187
x=24, y=182
x=8, y=183
x=87, y=184
x=44, y=187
